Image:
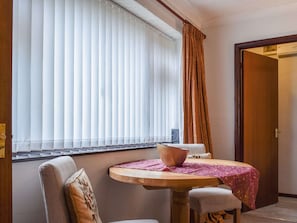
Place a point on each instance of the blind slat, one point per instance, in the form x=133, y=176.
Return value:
x=88, y=74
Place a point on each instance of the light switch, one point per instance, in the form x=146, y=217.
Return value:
x=2, y=139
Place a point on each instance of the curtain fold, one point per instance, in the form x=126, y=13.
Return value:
x=196, y=119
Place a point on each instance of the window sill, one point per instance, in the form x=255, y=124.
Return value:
x=48, y=154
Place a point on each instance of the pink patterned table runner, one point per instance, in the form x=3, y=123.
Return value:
x=242, y=180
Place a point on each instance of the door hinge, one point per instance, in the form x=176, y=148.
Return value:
x=2, y=140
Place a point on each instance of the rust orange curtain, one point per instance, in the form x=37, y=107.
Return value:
x=196, y=119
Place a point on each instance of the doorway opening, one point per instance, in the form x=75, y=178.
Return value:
x=268, y=47
x=239, y=85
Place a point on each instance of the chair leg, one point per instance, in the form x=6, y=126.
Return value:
x=195, y=216
x=236, y=215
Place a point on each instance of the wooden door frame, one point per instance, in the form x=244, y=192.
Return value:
x=5, y=108
x=239, y=47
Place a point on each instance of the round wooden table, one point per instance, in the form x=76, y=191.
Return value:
x=179, y=184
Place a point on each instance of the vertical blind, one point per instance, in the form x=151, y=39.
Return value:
x=88, y=73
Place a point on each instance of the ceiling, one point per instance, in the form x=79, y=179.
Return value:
x=207, y=12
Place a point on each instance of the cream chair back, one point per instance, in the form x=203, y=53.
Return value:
x=53, y=174
x=194, y=149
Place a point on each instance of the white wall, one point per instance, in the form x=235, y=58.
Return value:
x=288, y=125
x=219, y=60
x=115, y=200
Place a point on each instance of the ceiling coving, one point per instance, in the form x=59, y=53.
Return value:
x=204, y=13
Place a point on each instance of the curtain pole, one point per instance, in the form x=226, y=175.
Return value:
x=177, y=15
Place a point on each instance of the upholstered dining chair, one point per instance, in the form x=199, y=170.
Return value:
x=68, y=195
x=210, y=199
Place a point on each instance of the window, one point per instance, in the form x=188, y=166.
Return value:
x=87, y=73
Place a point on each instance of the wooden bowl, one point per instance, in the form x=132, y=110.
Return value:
x=172, y=156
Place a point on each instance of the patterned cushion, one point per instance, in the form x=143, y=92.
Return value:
x=81, y=199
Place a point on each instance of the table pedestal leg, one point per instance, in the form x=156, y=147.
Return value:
x=180, y=207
